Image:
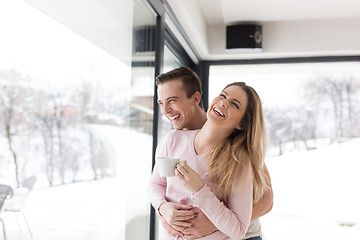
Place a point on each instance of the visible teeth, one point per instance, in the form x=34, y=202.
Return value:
x=176, y=116
x=218, y=112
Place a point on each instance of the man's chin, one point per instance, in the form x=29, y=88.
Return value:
x=178, y=126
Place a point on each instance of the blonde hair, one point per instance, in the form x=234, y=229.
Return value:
x=243, y=152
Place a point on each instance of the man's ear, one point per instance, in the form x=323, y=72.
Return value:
x=197, y=98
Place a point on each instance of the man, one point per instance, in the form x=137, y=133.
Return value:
x=179, y=97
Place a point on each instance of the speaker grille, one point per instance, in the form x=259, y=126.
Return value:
x=243, y=36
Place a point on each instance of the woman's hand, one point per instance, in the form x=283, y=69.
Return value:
x=188, y=177
x=202, y=226
x=177, y=215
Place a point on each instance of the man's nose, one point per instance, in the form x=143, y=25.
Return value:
x=167, y=108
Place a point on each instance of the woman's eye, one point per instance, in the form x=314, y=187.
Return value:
x=235, y=104
x=222, y=95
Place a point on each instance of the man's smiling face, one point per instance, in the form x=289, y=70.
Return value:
x=175, y=105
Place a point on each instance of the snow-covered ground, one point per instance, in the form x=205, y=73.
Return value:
x=88, y=210
x=94, y=210
x=316, y=196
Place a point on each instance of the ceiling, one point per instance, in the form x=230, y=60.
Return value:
x=311, y=23
x=229, y=11
x=290, y=28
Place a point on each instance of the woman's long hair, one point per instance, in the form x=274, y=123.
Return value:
x=243, y=152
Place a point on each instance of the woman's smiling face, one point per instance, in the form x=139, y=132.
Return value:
x=229, y=107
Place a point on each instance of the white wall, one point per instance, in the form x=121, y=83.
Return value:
x=296, y=38
x=106, y=23
x=292, y=38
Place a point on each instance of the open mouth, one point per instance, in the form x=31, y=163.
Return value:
x=174, y=117
x=218, y=112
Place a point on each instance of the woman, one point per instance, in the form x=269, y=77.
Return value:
x=222, y=172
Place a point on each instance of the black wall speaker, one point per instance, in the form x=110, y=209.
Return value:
x=244, y=36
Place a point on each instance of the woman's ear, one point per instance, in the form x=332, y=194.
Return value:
x=240, y=127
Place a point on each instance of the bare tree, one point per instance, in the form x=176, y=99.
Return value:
x=280, y=127
x=46, y=130
x=53, y=121
x=93, y=102
x=303, y=125
x=338, y=95
x=45, y=122
x=86, y=100
x=352, y=104
x=14, y=96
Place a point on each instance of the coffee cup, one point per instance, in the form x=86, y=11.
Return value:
x=167, y=165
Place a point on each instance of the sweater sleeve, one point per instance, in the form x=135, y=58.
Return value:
x=232, y=219
x=157, y=189
x=157, y=185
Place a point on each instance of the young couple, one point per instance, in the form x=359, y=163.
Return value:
x=223, y=185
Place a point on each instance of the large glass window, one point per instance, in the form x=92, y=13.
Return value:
x=170, y=62
x=78, y=116
x=312, y=112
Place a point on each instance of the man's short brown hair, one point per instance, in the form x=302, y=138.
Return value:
x=190, y=81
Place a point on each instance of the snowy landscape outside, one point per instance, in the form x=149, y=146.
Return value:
x=316, y=196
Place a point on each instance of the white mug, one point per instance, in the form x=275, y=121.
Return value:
x=167, y=165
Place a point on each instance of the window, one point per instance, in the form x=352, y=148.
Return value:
x=170, y=63
x=312, y=112
x=79, y=116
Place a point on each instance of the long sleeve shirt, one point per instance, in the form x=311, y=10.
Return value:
x=231, y=218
